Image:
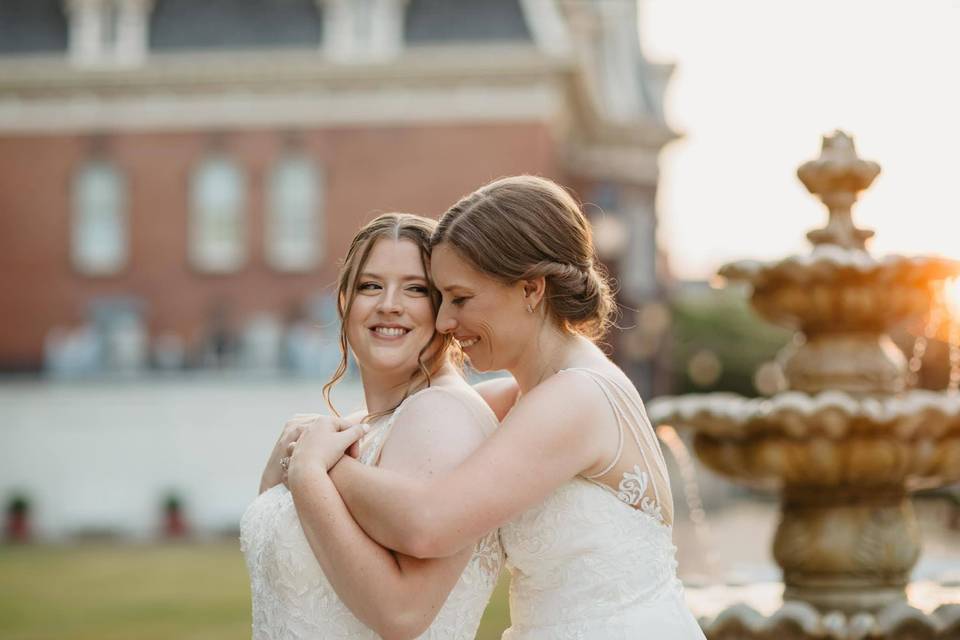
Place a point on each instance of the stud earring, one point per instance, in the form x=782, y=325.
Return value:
x=529, y=308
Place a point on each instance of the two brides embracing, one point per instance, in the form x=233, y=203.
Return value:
x=405, y=537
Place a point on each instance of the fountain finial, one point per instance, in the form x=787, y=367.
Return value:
x=837, y=177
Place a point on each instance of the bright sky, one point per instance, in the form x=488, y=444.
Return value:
x=756, y=85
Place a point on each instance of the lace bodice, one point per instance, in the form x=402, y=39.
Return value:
x=593, y=563
x=292, y=598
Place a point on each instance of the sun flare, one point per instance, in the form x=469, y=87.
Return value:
x=951, y=297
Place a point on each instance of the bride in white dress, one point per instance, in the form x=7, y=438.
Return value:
x=574, y=476
x=314, y=572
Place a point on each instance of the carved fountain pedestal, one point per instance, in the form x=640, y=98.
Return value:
x=845, y=443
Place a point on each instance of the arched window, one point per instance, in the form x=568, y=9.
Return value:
x=294, y=232
x=217, y=216
x=99, y=230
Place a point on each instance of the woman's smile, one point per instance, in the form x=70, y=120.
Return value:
x=391, y=318
x=389, y=332
x=467, y=342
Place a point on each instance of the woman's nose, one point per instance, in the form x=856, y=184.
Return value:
x=390, y=301
x=446, y=323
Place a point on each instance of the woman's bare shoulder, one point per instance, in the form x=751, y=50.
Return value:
x=570, y=403
x=437, y=428
x=500, y=394
x=450, y=394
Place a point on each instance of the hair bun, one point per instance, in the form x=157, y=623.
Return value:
x=528, y=227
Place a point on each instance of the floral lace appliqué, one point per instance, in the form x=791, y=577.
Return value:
x=632, y=490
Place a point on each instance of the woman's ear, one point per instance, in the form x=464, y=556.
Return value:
x=533, y=292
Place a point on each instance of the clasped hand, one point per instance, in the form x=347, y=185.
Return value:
x=320, y=443
x=275, y=471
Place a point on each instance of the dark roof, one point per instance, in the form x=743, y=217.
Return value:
x=434, y=21
x=234, y=24
x=32, y=26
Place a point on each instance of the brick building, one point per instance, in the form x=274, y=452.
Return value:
x=172, y=171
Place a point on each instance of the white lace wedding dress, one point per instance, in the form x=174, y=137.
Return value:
x=292, y=598
x=592, y=563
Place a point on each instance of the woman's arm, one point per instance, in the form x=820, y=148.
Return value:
x=546, y=440
x=500, y=394
x=395, y=595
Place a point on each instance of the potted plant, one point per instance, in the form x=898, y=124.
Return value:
x=17, y=528
x=174, y=523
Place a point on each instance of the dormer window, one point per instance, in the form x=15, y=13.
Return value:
x=108, y=32
x=362, y=30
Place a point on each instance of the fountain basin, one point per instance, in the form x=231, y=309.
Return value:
x=838, y=289
x=829, y=439
x=844, y=465
x=833, y=414
x=758, y=611
x=828, y=262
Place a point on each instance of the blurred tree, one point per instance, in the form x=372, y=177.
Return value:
x=719, y=342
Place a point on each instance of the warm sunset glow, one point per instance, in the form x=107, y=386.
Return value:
x=756, y=85
x=951, y=298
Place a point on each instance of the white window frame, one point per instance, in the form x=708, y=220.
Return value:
x=99, y=237
x=294, y=233
x=213, y=208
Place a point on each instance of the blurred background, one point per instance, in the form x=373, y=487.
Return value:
x=178, y=180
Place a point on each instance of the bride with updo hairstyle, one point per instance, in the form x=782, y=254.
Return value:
x=574, y=477
x=523, y=228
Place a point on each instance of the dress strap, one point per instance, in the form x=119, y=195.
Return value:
x=619, y=453
x=628, y=408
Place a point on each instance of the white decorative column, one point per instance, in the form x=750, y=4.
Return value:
x=608, y=48
x=547, y=26
x=86, y=30
x=108, y=32
x=132, y=32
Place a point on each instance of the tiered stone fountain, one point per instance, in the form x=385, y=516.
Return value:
x=847, y=441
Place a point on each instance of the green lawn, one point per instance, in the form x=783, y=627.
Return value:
x=148, y=592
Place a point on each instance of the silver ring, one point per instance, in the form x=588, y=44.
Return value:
x=285, y=462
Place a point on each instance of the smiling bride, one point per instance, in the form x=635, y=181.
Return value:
x=314, y=572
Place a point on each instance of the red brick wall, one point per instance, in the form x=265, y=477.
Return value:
x=419, y=169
